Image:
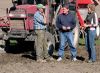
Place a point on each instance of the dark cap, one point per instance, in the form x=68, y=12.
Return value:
x=66, y=6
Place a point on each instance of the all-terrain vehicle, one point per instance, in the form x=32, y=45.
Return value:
x=20, y=25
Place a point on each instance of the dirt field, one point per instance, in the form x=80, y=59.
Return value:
x=21, y=63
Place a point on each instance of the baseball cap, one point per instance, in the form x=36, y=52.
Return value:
x=40, y=6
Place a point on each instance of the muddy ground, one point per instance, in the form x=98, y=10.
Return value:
x=19, y=62
x=22, y=63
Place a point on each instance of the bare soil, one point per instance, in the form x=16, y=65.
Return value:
x=21, y=63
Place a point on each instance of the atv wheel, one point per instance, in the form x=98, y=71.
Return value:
x=51, y=43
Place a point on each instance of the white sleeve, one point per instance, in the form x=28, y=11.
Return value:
x=96, y=19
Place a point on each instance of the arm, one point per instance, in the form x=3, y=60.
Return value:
x=87, y=22
x=96, y=20
x=39, y=18
x=44, y=18
x=58, y=23
x=73, y=23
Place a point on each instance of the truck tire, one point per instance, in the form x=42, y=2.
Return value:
x=50, y=40
x=7, y=46
x=51, y=43
x=10, y=48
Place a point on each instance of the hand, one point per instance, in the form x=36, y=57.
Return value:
x=83, y=27
x=43, y=14
x=68, y=28
x=94, y=25
x=63, y=27
x=87, y=25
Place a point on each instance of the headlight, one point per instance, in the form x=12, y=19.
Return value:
x=11, y=15
x=23, y=15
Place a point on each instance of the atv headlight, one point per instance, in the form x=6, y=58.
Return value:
x=23, y=15
x=11, y=15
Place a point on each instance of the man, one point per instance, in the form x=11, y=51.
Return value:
x=40, y=26
x=97, y=1
x=66, y=23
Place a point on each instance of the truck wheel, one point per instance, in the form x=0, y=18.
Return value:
x=7, y=46
x=51, y=42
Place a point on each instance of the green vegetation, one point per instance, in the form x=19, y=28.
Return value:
x=82, y=41
x=98, y=42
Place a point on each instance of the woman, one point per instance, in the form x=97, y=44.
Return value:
x=91, y=24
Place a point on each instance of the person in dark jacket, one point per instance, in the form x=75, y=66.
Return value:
x=66, y=23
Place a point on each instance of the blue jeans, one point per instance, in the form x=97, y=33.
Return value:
x=67, y=37
x=90, y=44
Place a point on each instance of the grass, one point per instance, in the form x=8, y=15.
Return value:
x=82, y=41
x=98, y=42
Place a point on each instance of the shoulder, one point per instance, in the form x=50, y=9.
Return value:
x=71, y=15
x=59, y=16
x=94, y=14
x=36, y=13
